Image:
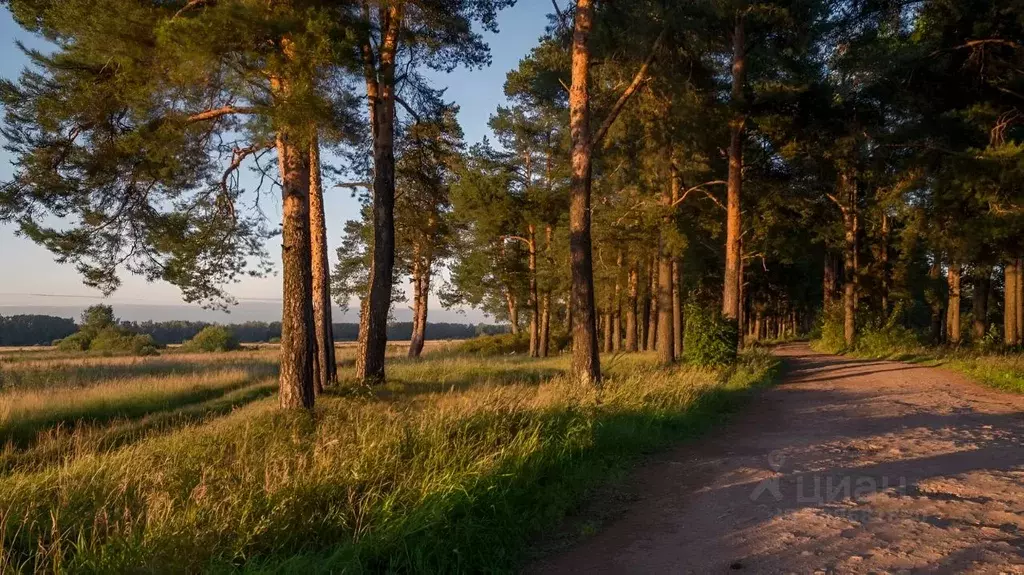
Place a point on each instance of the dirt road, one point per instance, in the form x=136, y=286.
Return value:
x=846, y=467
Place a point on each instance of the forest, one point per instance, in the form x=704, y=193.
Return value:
x=669, y=194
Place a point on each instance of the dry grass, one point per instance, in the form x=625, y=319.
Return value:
x=454, y=465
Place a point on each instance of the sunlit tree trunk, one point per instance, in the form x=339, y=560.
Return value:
x=883, y=264
x=848, y=188
x=666, y=337
x=297, y=329
x=1010, y=303
x=531, y=244
x=677, y=304
x=513, y=312
x=379, y=74
x=631, y=307
x=421, y=304
x=935, y=274
x=586, y=366
x=617, y=303
x=730, y=292
x=979, y=303
x=953, y=309
x=1018, y=301
x=326, y=371
x=545, y=324
x=652, y=313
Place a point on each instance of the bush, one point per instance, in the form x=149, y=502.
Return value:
x=75, y=342
x=212, y=338
x=503, y=344
x=113, y=340
x=709, y=339
x=833, y=335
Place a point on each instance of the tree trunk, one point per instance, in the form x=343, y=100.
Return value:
x=979, y=303
x=631, y=305
x=666, y=337
x=534, y=299
x=1010, y=303
x=586, y=365
x=617, y=306
x=607, y=321
x=1019, y=301
x=652, y=314
x=677, y=304
x=730, y=292
x=326, y=370
x=883, y=263
x=421, y=305
x=953, y=309
x=545, y=324
x=379, y=74
x=513, y=312
x=830, y=283
x=297, y=330
x=849, y=188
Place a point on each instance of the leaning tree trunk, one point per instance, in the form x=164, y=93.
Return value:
x=326, y=370
x=297, y=331
x=380, y=85
x=586, y=365
x=1010, y=303
x=631, y=305
x=534, y=299
x=953, y=309
x=730, y=291
x=979, y=303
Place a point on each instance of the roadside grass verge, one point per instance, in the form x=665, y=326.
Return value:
x=413, y=477
x=1004, y=371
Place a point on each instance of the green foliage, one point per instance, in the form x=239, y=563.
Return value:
x=98, y=317
x=709, y=339
x=78, y=341
x=832, y=337
x=490, y=345
x=212, y=338
x=111, y=340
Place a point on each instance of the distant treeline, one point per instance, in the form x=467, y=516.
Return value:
x=43, y=329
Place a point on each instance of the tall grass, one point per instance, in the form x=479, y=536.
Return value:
x=454, y=466
x=23, y=414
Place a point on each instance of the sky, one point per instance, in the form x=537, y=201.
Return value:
x=34, y=283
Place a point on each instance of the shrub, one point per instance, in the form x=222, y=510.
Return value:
x=503, y=344
x=212, y=338
x=709, y=339
x=879, y=338
x=833, y=336
x=75, y=342
x=113, y=340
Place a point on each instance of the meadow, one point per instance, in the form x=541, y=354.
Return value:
x=183, y=462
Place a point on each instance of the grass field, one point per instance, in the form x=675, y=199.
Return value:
x=183, y=463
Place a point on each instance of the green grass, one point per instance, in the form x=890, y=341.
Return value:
x=458, y=464
x=1004, y=371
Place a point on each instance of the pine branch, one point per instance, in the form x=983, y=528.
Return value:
x=638, y=79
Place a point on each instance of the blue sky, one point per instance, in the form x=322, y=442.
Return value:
x=32, y=272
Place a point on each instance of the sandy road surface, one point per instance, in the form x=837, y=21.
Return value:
x=846, y=467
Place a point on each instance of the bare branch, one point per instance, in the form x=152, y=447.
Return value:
x=638, y=79
x=408, y=108
x=219, y=112
x=190, y=5
x=700, y=187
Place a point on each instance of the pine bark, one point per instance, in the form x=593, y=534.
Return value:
x=513, y=312
x=953, y=309
x=631, y=307
x=934, y=274
x=379, y=73
x=849, y=189
x=883, y=264
x=830, y=283
x=534, y=302
x=979, y=303
x=730, y=292
x=1018, y=299
x=617, y=306
x=421, y=304
x=652, y=309
x=545, y=324
x=1010, y=303
x=666, y=336
x=586, y=366
x=325, y=372
x=607, y=322
x=297, y=331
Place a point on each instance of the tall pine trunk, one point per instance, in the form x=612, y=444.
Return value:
x=849, y=191
x=1018, y=283
x=513, y=312
x=652, y=309
x=830, y=283
x=953, y=309
x=979, y=303
x=730, y=292
x=617, y=306
x=666, y=337
x=883, y=264
x=631, y=307
x=534, y=299
x=421, y=304
x=545, y=324
x=586, y=365
x=326, y=370
x=1010, y=303
x=379, y=74
x=297, y=331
